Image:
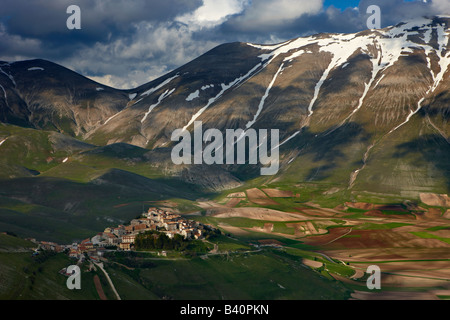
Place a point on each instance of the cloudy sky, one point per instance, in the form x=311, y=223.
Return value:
x=126, y=43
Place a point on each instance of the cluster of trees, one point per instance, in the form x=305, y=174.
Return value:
x=211, y=233
x=153, y=240
x=43, y=256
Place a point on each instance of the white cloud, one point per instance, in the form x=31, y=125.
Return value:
x=441, y=6
x=19, y=47
x=269, y=13
x=150, y=52
x=212, y=13
x=128, y=81
x=107, y=80
x=150, y=38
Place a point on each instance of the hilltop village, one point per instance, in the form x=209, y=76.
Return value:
x=123, y=237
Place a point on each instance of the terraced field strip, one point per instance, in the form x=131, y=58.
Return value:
x=275, y=193
x=99, y=288
x=258, y=197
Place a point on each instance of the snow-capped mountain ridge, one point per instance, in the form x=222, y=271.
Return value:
x=354, y=93
x=392, y=40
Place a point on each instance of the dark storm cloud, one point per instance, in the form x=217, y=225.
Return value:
x=44, y=17
x=104, y=20
x=395, y=11
x=37, y=29
x=332, y=19
x=125, y=43
x=327, y=20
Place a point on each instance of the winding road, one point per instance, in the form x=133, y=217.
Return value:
x=100, y=265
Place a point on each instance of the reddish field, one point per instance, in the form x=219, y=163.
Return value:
x=264, y=202
x=256, y=194
x=258, y=197
x=274, y=193
x=233, y=202
x=99, y=288
x=340, y=238
x=270, y=242
x=329, y=238
x=316, y=212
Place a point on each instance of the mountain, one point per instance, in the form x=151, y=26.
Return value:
x=43, y=95
x=363, y=113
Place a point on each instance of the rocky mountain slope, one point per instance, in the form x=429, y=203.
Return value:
x=44, y=95
x=363, y=112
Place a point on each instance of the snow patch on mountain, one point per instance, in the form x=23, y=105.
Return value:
x=5, y=96
x=224, y=87
x=160, y=99
x=287, y=47
x=427, y=35
x=263, y=99
x=287, y=140
x=138, y=101
x=164, y=83
x=401, y=33
x=209, y=86
x=112, y=117
x=193, y=95
x=391, y=44
x=379, y=80
x=267, y=47
x=444, y=63
x=376, y=68
x=8, y=75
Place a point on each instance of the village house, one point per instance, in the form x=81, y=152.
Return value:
x=198, y=234
x=86, y=247
x=171, y=234
x=119, y=231
x=187, y=233
x=125, y=246
x=123, y=237
x=175, y=223
x=51, y=246
x=113, y=240
x=98, y=239
x=74, y=253
x=138, y=221
x=129, y=238
x=140, y=227
x=171, y=226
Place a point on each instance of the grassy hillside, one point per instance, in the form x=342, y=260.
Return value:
x=53, y=187
x=24, y=277
x=268, y=275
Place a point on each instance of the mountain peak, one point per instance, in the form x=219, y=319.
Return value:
x=353, y=93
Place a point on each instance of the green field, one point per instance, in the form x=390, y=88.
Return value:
x=267, y=275
x=426, y=235
x=46, y=197
x=24, y=278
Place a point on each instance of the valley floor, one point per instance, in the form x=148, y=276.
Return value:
x=410, y=245
x=274, y=245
